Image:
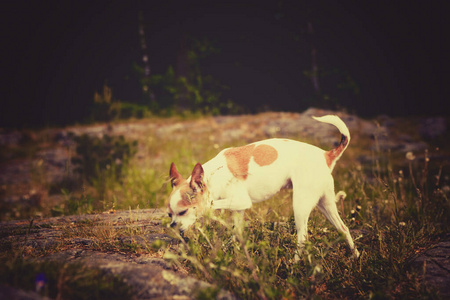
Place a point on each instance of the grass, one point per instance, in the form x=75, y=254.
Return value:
x=397, y=207
x=391, y=215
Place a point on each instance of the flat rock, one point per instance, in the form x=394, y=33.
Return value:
x=150, y=277
x=434, y=266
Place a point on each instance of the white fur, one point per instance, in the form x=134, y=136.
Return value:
x=302, y=164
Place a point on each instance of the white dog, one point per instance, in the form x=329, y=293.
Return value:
x=238, y=177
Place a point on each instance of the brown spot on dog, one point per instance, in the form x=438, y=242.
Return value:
x=331, y=155
x=187, y=197
x=238, y=159
x=265, y=155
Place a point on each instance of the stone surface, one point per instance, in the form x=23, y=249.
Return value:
x=434, y=266
x=10, y=293
x=433, y=127
x=150, y=276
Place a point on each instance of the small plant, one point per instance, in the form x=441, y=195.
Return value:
x=105, y=108
x=100, y=162
x=97, y=157
x=82, y=204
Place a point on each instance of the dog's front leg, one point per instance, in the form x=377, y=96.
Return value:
x=238, y=205
x=235, y=198
x=233, y=203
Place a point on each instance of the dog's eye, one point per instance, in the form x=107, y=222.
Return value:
x=170, y=215
x=183, y=212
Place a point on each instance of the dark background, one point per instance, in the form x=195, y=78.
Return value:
x=56, y=54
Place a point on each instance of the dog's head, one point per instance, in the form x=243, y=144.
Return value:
x=186, y=199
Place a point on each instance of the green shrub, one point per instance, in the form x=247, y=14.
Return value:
x=101, y=162
x=99, y=156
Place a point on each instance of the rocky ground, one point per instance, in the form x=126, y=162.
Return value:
x=151, y=276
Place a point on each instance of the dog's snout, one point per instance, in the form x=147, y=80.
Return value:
x=173, y=224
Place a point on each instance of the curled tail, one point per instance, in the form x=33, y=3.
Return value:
x=333, y=155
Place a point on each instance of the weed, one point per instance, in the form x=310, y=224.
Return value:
x=83, y=204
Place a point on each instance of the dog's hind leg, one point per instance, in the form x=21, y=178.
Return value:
x=328, y=207
x=304, y=201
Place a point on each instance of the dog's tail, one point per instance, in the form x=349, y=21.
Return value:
x=333, y=155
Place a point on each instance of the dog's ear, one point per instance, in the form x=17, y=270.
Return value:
x=197, y=178
x=175, y=177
